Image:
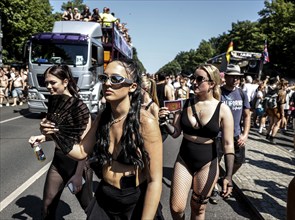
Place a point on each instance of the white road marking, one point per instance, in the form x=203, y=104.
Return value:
x=11, y=119
x=5, y=202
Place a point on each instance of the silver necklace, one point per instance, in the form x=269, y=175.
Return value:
x=117, y=120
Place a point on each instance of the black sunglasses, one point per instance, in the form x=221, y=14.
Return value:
x=199, y=79
x=114, y=79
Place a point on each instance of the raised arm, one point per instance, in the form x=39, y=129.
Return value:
x=84, y=148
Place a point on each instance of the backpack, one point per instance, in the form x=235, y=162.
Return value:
x=270, y=99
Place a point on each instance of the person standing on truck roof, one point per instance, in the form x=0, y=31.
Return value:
x=108, y=22
x=86, y=14
x=68, y=15
x=96, y=15
x=76, y=14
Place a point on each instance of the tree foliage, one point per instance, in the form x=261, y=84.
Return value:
x=135, y=57
x=20, y=19
x=171, y=68
x=276, y=25
x=74, y=4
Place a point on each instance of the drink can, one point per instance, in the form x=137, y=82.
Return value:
x=39, y=152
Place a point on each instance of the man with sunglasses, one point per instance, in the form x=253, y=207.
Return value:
x=238, y=102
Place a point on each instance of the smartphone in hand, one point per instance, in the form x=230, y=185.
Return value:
x=72, y=188
x=174, y=105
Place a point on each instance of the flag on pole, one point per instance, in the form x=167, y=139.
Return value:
x=229, y=49
x=265, y=53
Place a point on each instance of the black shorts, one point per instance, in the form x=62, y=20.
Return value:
x=240, y=152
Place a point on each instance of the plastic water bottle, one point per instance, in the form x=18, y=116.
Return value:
x=38, y=151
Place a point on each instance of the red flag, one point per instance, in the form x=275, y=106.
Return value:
x=265, y=53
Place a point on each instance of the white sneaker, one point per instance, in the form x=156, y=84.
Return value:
x=1, y=105
x=7, y=104
x=21, y=103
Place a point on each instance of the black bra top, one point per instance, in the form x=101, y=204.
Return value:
x=149, y=105
x=210, y=130
x=122, y=158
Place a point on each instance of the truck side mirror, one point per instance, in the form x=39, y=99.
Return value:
x=100, y=59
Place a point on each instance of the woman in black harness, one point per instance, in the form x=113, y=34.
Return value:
x=127, y=142
x=196, y=166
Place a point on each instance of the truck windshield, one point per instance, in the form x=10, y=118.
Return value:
x=50, y=52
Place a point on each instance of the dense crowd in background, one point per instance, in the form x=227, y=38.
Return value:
x=269, y=105
x=13, y=84
x=107, y=19
x=268, y=119
x=280, y=117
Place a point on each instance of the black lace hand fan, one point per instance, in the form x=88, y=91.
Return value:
x=70, y=116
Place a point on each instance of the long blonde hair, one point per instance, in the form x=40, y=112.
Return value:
x=152, y=88
x=214, y=76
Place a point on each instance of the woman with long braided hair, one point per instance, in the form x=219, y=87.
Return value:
x=127, y=142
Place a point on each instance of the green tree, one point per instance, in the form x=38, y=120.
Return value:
x=135, y=57
x=171, y=68
x=278, y=24
x=20, y=19
x=74, y=4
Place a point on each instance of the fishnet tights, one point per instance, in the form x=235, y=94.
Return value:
x=202, y=183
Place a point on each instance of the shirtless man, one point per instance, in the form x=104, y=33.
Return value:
x=17, y=88
x=3, y=87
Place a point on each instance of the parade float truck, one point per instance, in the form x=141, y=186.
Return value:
x=250, y=62
x=79, y=45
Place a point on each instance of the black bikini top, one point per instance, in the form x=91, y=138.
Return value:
x=149, y=105
x=122, y=158
x=210, y=130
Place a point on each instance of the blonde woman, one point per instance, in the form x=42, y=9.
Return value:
x=183, y=91
x=149, y=96
x=196, y=166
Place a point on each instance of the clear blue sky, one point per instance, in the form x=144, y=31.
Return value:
x=162, y=29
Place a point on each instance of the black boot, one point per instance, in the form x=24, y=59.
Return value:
x=271, y=139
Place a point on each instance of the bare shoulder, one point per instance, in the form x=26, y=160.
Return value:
x=148, y=124
x=146, y=118
x=225, y=111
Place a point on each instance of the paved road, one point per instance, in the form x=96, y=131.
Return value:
x=18, y=165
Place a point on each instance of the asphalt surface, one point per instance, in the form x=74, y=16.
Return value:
x=259, y=193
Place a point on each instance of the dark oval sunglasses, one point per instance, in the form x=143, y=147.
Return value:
x=114, y=79
x=199, y=79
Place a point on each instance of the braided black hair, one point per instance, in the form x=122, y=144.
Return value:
x=131, y=138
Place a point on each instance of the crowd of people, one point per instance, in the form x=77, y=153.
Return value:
x=106, y=18
x=124, y=144
x=13, y=85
